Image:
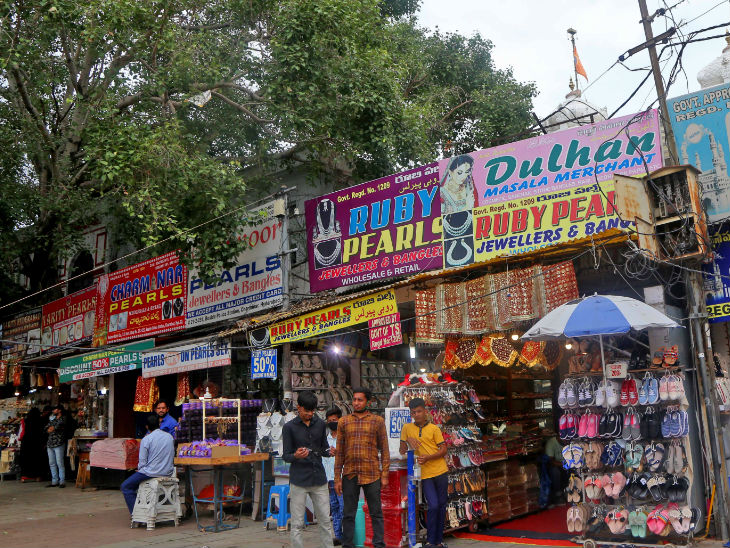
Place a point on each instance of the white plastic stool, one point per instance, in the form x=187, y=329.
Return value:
x=158, y=499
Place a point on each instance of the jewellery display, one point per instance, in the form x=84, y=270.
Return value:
x=426, y=317
x=479, y=315
x=450, y=308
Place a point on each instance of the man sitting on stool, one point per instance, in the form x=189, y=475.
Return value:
x=156, y=454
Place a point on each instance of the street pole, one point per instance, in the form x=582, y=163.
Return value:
x=282, y=212
x=661, y=93
x=697, y=316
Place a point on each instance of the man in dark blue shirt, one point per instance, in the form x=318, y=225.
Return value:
x=167, y=423
x=305, y=443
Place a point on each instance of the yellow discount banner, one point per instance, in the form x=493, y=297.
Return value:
x=523, y=225
x=335, y=317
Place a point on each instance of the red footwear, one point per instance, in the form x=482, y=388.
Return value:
x=406, y=381
x=625, y=393
x=633, y=393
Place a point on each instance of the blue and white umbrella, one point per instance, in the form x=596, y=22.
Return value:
x=597, y=315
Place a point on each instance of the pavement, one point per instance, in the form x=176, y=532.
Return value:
x=33, y=516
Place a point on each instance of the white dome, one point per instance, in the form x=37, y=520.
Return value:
x=574, y=106
x=718, y=71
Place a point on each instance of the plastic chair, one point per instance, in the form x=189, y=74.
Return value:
x=278, y=496
x=158, y=499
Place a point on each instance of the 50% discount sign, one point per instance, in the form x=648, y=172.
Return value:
x=263, y=364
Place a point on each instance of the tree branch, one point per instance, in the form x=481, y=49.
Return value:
x=30, y=108
x=457, y=107
x=243, y=109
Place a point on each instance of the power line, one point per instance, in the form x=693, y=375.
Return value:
x=150, y=246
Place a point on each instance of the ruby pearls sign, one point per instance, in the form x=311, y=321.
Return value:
x=374, y=231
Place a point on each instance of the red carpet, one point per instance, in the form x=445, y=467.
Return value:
x=547, y=521
x=546, y=528
x=516, y=540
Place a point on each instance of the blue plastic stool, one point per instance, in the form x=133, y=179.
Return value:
x=282, y=516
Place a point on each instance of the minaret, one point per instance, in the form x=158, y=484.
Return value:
x=698, y=163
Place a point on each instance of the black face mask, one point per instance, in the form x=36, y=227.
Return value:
x=332, y=426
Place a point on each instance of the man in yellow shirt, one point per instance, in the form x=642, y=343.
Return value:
x=426, y=440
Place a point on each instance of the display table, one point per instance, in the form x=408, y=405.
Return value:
x=81, y=448
x=219, y=499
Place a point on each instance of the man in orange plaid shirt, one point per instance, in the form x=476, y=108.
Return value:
x=360, y=437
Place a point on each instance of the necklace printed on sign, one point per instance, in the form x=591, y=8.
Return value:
x=258, y=343
x=467, y=253
x=326, y=210
x=457, y=231
x=328, y=260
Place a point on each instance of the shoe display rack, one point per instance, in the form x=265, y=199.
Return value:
x=382, y=377
x=455, y=408
x=310, y=371
x=626, y=449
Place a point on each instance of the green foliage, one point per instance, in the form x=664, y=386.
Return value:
x=98, y=126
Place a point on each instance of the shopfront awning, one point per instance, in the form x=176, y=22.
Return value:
x=608, y=237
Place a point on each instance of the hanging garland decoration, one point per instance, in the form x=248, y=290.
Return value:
x=479, y=315
x=484, y=352
x=466, y=352
x=551, y=355
x=183, y=388
x=146, y=394
x=450, y=353
x=531, y=353
x=500, y=296
x=503, y=354
x=3, y=372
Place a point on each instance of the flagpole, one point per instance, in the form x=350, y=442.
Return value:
x=572, y=33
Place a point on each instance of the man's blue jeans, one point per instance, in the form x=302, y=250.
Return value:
x=129, y=488
x=336, y=507
x=55, y=463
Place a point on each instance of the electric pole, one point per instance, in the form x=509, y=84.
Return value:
x=661, y=94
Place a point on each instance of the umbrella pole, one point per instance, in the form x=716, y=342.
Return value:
x=603, y=357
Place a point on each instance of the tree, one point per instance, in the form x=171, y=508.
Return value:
x=98, y=102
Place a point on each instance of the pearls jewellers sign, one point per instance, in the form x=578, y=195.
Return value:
x=254, y=283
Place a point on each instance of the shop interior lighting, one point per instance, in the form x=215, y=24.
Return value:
x=412, y=349
x=50, y=388
x=515, y=336
x=568, y=345
x=31, y=390
x=335, y=349
x=103, y=391
x=423, y=369
x=17, y=392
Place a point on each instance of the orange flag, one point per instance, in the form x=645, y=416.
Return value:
x=578, y=65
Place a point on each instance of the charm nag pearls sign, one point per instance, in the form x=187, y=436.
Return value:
x=505, y=200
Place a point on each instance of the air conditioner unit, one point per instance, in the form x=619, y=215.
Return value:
x=666, y=207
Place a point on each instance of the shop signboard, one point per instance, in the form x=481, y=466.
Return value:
x=395, y=419
x=701, y=132
x=68, y=321
x=375, y=231
x=324, y=320
x=385, y=332
x=187, y=357
x=717, y=276
x=254, y=283
x=504, y=200
x=21, y=335
x=541, y=191
x=104, y=362
x=144, y=299
x=263, y=364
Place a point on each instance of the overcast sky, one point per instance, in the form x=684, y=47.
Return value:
x=530, y=36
